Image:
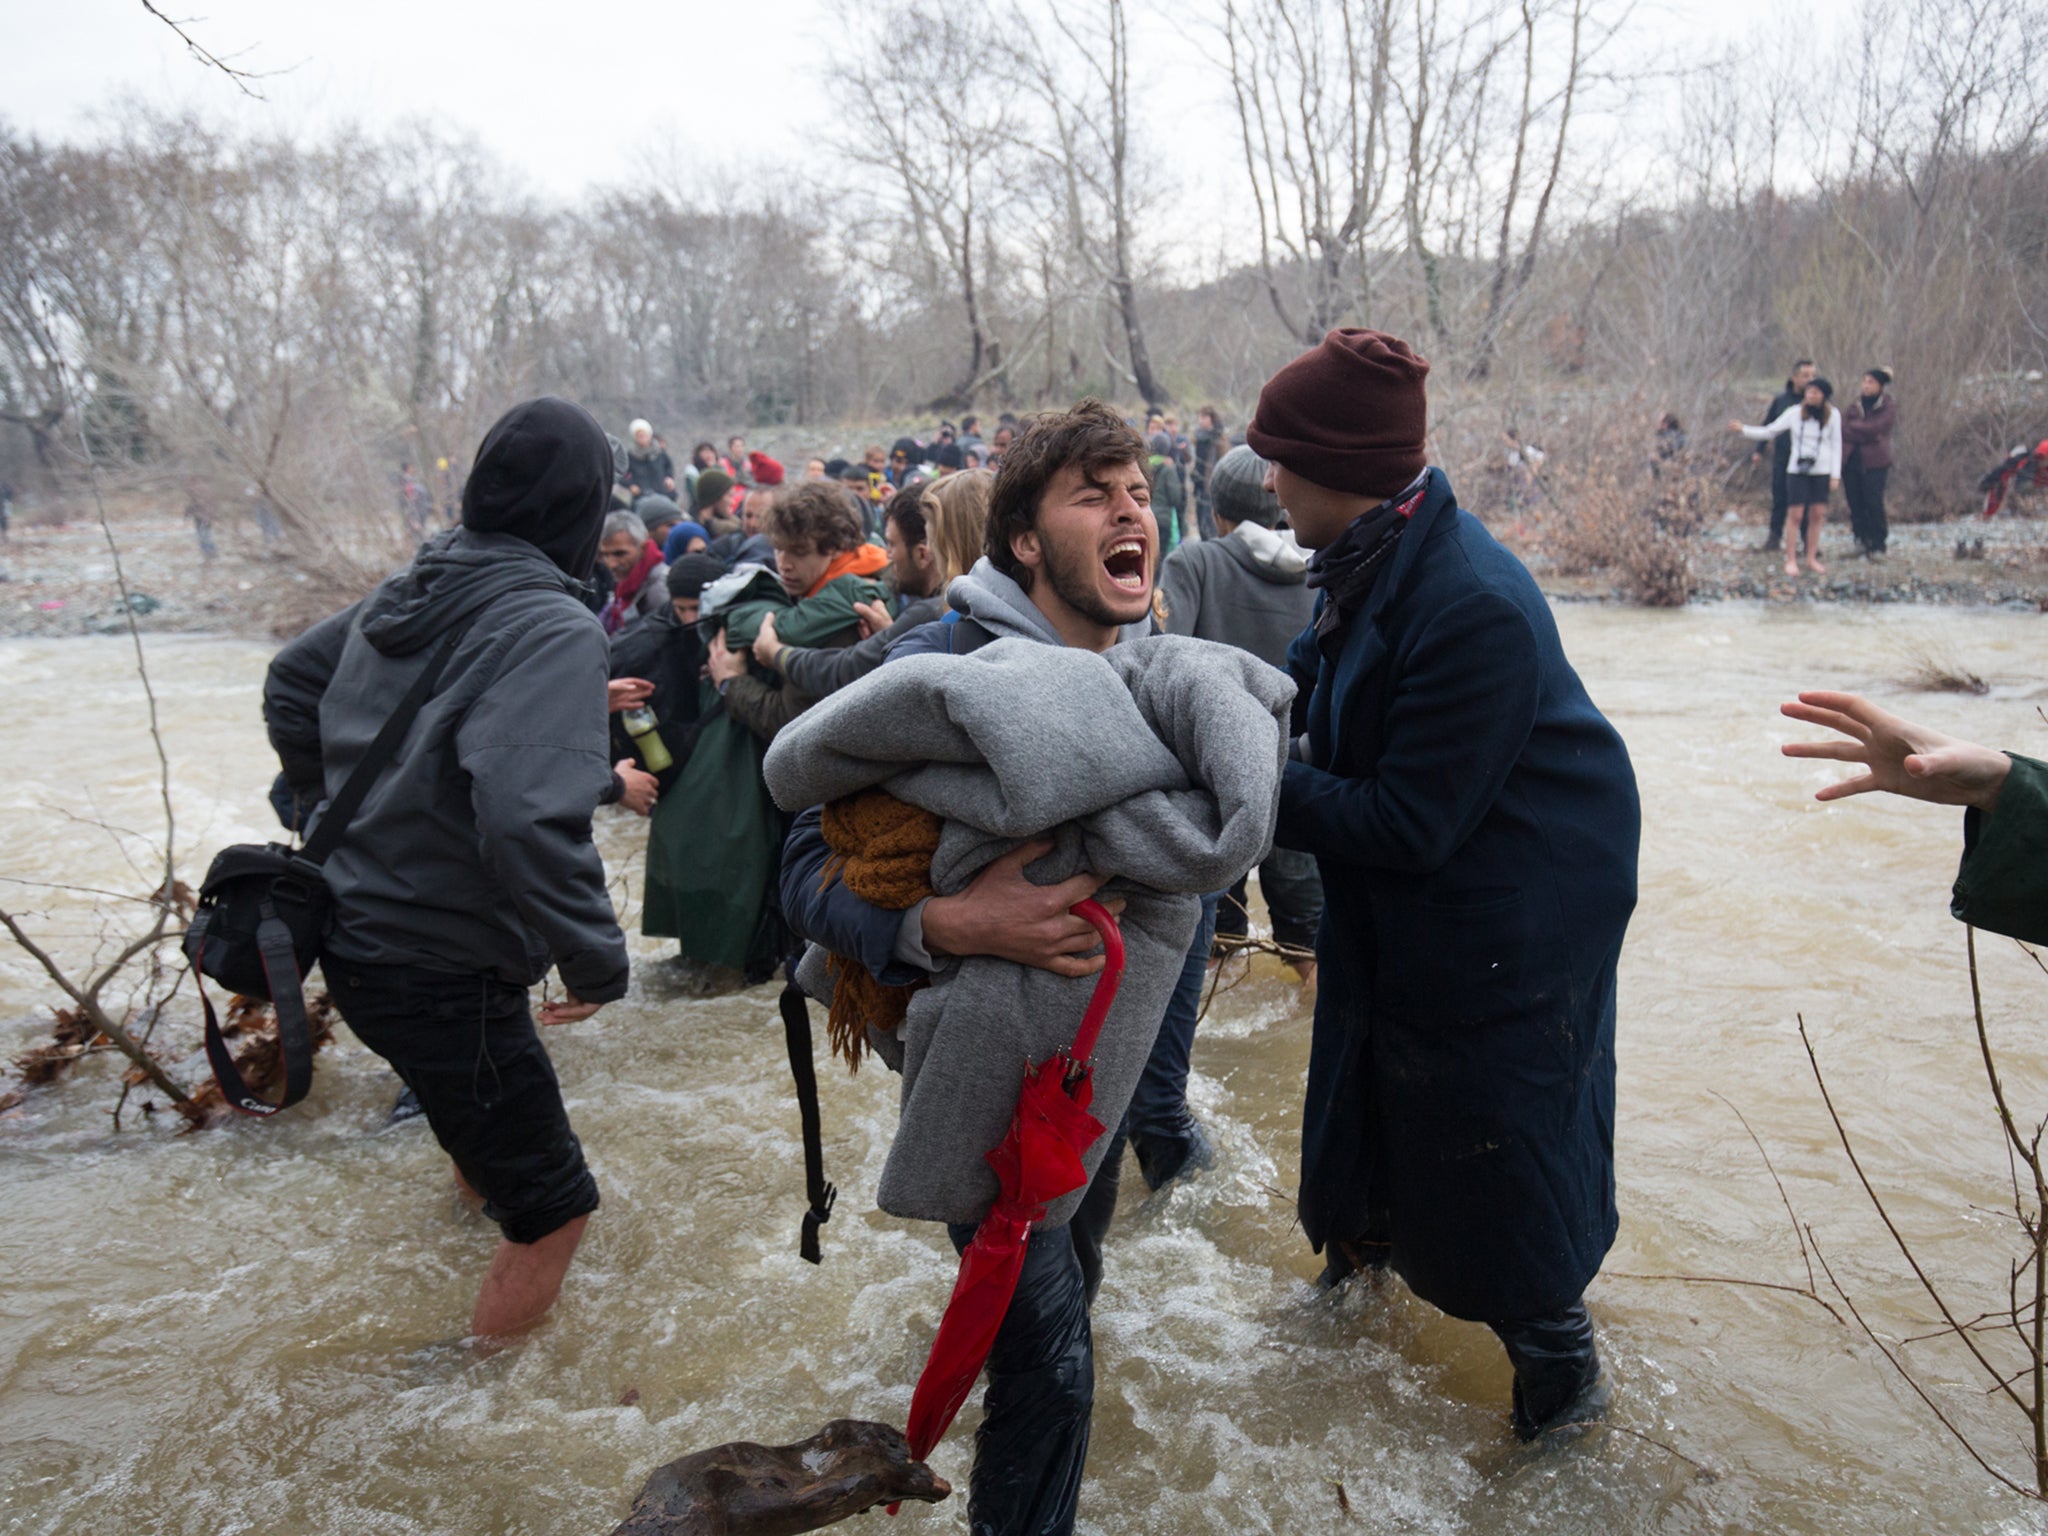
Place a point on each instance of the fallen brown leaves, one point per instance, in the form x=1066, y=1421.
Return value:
x=71, y=1041
x=251, y=1023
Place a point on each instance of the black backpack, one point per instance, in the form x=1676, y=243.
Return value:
x=263, y=911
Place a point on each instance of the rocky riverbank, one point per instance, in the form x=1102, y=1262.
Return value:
x=1963, y=562
x=57, y=579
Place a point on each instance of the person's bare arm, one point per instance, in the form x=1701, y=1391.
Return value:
x=1897, y=756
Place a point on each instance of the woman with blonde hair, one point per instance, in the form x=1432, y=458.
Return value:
x=933, y=530
x=956, y=522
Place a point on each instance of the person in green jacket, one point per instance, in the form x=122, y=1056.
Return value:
x=712, y=856
x=2002, y=886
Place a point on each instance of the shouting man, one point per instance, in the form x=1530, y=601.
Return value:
x=1070, y=551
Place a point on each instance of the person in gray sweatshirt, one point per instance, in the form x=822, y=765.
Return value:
x=469, y=872
x=1248, y=588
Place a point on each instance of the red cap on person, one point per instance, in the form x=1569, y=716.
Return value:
x=1349, y=415
x=764, y=469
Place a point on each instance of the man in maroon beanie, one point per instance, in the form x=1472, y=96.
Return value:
x=1475, y=820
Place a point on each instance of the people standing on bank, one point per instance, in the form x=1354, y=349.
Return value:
x=469, y=872
x=199, y=513
x=649, y=469
x=1476, y=823
x=1245, y=584
x=1812, y=432
x=1867, y=424
x=1781, y=451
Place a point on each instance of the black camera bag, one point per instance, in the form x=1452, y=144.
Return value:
x=263, y=909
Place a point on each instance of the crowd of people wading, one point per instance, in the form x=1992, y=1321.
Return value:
x=894, y=719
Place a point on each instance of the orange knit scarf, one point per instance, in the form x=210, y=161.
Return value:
x=867, y=560
x=882, y=851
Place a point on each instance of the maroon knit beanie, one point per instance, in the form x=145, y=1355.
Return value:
x=1349, y=415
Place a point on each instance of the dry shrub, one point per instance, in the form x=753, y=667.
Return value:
x=1603, y=516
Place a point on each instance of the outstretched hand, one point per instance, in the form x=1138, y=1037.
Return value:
x=1004, y=914
x=1898, y=757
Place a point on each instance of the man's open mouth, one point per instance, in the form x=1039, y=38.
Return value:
x=1125, y=563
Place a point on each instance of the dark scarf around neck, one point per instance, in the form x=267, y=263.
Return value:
x=1347, y=569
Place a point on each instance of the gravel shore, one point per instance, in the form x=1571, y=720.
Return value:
x=57, y=579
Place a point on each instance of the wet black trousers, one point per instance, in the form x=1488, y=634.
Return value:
x=1554, y=1360
x=1033, y=1440
x=467, y=1048
x=1864, y=489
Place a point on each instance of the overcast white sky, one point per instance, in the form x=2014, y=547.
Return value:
x=575, y=94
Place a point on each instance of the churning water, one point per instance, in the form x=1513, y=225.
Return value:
x=249, y=1329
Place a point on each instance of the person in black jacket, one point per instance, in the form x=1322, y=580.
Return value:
x=659, y=665
x=1781, y=454
x=469, y=872
x=1475, y=820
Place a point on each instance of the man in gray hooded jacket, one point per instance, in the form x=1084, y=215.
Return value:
x=1248, y=588
x=469, y=871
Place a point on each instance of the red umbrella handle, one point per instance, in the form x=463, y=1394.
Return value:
x=1097, y=917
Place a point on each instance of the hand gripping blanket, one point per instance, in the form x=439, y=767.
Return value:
x=1156, y=764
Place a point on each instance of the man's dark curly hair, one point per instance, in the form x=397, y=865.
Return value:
x=1091, y=437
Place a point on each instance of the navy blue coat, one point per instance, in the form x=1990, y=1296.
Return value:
x=1475, y=819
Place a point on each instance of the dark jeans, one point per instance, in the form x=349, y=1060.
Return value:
x=1294, y=900
x=1554, y=1360
x=1864, y=489
x=1033, y=1439
x=1159, y=1107
x=467, y=1047
x=1780, y=501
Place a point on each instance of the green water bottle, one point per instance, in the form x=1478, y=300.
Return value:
x=640, y=725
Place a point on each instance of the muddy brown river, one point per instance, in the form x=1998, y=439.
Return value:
x=252, y=1329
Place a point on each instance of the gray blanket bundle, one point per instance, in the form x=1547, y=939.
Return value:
x=1157, y=764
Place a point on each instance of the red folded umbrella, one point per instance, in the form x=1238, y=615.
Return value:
x=1038, y=1161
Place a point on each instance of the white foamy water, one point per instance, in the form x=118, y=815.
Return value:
x=250, y=1329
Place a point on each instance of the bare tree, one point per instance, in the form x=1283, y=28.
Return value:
x=1078, y=69
x=928, y=113
x=1309, y=79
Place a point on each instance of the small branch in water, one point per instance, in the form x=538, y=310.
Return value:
x=1921, y=1392
x=1705, y=1473
x=1760, y=1285
x=1898, y=1237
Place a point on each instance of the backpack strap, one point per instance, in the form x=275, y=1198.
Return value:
x=796, y=1032
x=342, y=809
x=294, y=1029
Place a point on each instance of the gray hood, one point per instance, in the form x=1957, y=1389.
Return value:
x=1005, y=610
x=1267, y=553
x=451, y=578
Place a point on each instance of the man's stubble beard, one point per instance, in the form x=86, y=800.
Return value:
x=1073, y=581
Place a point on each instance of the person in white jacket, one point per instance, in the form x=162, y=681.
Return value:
x=1816, y=428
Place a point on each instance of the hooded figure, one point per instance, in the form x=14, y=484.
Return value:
x=469, y=871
